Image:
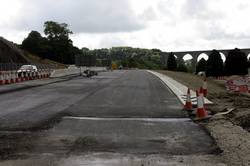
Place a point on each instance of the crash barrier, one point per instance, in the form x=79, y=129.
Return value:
x=13, y=72
x=238, y=84
x=11, y=77
x=17, y=66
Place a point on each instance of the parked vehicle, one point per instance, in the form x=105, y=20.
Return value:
x=90, y=73
x=27, y=70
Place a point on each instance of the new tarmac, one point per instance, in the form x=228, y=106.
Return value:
x=114, y=115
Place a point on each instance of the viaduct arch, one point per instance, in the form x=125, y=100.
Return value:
x=195, y=54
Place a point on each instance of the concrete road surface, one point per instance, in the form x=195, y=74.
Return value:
x=130, y=117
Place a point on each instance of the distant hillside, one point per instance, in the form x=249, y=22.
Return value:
x=9, y=53
x=37, y=60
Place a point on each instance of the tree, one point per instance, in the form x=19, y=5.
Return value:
x=201, y=66
x=54, y=30
x=248, y=63
x=36, y=44
x=182, y=68
x=58, y=37
x=132, y=63
x=214, y=64
x=171, y=63
x=236, y=63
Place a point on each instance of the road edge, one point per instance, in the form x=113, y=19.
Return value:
x=177, y=88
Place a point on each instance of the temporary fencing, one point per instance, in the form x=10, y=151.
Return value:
x=9, y=73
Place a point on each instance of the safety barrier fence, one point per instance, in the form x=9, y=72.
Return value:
x=236, y=83
x=10, y=73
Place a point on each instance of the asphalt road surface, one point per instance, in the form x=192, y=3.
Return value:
x=128, y=116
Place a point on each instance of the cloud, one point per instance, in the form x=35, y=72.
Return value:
x=194, y=8
x=88, y=16
x=149, y=14
x=112, y=41
x=171, y=25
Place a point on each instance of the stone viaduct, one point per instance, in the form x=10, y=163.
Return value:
x=195, y=54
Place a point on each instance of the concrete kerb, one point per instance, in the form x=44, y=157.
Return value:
x=178, y=89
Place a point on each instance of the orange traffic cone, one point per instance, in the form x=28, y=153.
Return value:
x=204, y=87
x=188, y=106
x=201, y=113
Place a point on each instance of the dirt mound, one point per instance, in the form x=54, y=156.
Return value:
x=10, y=53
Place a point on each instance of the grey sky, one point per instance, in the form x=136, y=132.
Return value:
x=166, y=24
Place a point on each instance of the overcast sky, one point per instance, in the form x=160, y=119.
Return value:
x=170, y=25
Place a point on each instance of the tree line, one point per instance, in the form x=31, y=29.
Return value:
x=57, y=46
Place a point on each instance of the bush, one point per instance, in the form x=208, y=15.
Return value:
x=236, y=63
x=182, y=68
x=201, y=66
x=171, y=63
x=214, y=64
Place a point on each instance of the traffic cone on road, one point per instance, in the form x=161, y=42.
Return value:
x=204, y=87
x=201, y=113
x=188, y=106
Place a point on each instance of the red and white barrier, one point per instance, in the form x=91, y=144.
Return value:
x=2, y=79
x=7, y=77
x=238, y=84
x=11, y=77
